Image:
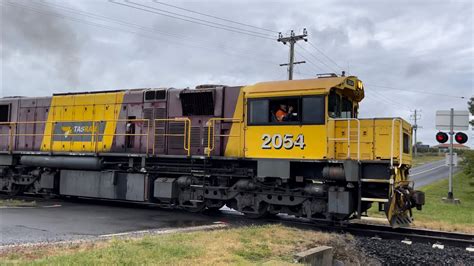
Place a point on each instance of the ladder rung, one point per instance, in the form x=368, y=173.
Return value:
x=374, y=199
x=372, y=180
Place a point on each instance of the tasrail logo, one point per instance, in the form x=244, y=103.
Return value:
x=84, y=131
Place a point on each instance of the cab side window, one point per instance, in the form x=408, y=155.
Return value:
x=287, y=110
x=314, y=110
x=334, y=105
x=258, y=111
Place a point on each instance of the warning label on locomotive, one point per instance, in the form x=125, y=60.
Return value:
x=79, y=131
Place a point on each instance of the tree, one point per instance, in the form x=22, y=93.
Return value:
x=471, y=109
x=468, y=162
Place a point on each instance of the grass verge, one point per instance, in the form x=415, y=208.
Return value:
x=16, y=203
x=422, y=159
x=245, y=245
x=438, y=215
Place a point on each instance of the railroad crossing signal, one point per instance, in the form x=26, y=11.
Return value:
x=452, y=120
x=441, y=137
x=460, y=137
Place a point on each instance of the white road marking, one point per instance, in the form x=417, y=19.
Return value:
x=216, y=225
x=30, y=207
x=429, y=170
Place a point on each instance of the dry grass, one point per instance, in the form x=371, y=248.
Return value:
x=274, y=244
x=444, y=226
x=379, y=219
x=16, y=203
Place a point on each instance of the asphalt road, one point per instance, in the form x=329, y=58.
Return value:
x=58, y=220
x=430, y=172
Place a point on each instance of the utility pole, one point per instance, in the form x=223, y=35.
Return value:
x=292, y=39
x=415, y=116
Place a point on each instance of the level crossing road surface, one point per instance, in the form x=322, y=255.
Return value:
x=63, y=220
x=430, y=172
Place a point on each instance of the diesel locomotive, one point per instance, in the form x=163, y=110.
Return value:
x=295, y=147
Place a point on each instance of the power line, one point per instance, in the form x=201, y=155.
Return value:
x=316, y=67
x=195, y=20
x=378, y=96
x=322, y=62
x=44, y=12
x=416, y=91
x=124, y=23
x=304, y=74
x=211, y=16
x=329, y=58
x=381, y=95
x=108, y=19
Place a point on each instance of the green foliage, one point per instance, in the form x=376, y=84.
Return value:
x=147, y=251
x=468, y=163
x=436, y=210
x=254, y=252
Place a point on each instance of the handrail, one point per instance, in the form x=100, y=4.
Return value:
x=400, y=143
x=94, y=134
x=349, y=135
x=186, y=133
x=211, y=137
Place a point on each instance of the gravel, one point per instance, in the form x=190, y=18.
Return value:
x=394, y=252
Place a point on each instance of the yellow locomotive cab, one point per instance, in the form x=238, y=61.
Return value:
x=323, y=124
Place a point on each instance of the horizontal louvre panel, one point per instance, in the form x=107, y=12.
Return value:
x=176, y=142
x=195, y=137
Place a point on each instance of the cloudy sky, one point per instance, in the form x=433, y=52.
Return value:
x=410, y=54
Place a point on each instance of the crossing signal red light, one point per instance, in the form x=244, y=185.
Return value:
x=460, y=137
x=441, y=137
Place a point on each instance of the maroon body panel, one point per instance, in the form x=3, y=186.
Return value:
x=133, y=135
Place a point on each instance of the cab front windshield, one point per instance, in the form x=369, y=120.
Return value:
x=340, y=106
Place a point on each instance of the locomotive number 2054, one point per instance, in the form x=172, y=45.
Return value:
x=287, y=141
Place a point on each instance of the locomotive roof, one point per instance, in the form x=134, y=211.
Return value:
x=322, y=85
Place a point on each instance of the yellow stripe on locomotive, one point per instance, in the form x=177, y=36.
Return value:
x=82, y=122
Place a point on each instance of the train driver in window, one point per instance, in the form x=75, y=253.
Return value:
x=284, y=113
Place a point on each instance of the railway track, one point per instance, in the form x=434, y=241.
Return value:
x=462, y=240
x=455, y=239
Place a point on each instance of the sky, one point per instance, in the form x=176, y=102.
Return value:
x=409, y=54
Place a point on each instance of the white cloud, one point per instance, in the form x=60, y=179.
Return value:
x=412, y=45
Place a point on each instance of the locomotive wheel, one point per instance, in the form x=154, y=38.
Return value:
x=195, y=207
x=15, y=190
x=261, y=212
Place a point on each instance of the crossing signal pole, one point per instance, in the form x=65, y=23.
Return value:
x=292, y=39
